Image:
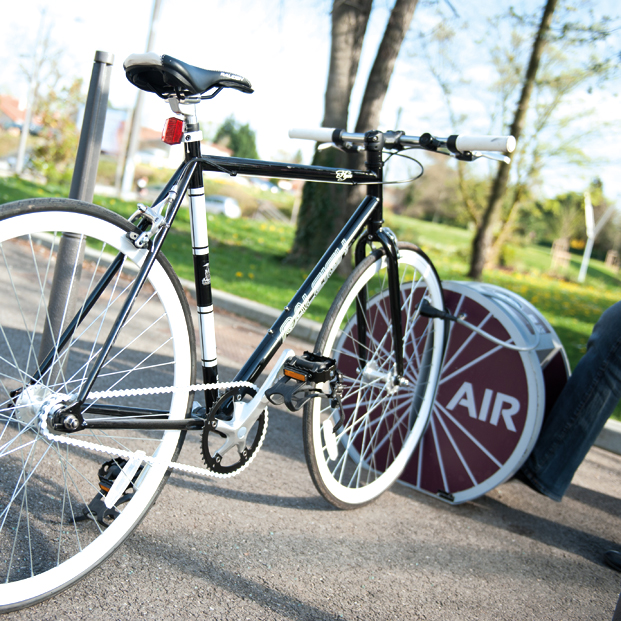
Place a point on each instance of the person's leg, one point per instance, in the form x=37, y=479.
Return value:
x=581, y=411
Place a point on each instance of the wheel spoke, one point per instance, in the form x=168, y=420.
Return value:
x=47, y=487
x=459, y=454
x=378, y=427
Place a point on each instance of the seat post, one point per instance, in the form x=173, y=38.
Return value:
x=200, y=252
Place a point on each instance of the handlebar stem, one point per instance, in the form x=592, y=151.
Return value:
x=374, y=143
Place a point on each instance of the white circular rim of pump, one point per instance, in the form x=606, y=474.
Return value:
x=484, y=389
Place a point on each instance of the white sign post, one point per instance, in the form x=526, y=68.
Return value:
x=591, y=230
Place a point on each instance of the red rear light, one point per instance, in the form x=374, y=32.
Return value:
x=173, y=131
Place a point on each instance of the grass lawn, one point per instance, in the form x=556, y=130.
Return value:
x=571, y=308
x=247, y=261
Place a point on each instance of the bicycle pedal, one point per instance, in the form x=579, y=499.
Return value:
x=96, y=509
x=310, y=368
x=109, y=472
x=300, y=375
x=290, y=392
x=198, y=412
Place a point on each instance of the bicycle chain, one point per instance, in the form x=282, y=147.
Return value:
x=132, y=392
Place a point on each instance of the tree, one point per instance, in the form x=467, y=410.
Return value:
x=484, y=236
x=550, y=127
x=39, y=65
x=326, y=207
x=315, y=223
x=377, y=86
x=556, y=80
x=438, y=50
x=563, y=217
x=435, y=196
x=237, y=137
x=57, y=144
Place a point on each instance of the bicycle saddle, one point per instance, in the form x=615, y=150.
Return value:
x=166, y=76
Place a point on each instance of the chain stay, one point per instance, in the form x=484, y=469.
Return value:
x=115, y=452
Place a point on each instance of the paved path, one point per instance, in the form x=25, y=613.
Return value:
x=266, y=546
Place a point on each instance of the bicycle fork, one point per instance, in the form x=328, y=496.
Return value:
x=374, y=144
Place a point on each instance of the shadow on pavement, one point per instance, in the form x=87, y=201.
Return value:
x=198, y=483
x=190, y=563
x=490, y=511
x=592, y=498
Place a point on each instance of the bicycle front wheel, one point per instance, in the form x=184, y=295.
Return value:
x=355, y=454
x=54, y=525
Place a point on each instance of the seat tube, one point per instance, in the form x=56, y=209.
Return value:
x=202, y=273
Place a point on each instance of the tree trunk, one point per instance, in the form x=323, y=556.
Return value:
x=495, y=252
x=349, y=24
x=376, y=89
x=379, y=78
x=316, y=224
x=483, y=239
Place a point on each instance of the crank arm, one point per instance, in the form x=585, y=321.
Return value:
x=246, y=414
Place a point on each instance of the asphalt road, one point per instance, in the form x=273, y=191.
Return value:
x=265, y=545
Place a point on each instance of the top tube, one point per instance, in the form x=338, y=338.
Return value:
x=281, y=170
x=234, y=166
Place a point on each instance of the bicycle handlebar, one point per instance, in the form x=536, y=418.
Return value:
x=454, y=144
x=503, y=144
x=319, y=134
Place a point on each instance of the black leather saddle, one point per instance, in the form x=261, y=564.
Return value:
x=166, y=76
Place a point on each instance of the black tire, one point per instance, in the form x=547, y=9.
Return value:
x=46, y=485
x=353, y=460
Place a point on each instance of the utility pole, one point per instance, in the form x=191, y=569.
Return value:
x=134, y=134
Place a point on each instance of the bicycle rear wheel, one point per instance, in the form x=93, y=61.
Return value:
x=51, y=533
x=353, y=459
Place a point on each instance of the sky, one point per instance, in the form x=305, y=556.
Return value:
x=282, y=47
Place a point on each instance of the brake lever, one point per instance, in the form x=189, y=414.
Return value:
x=497, y=158
x=470, y=156
x=347, y=147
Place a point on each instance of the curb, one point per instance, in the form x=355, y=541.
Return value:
x=610, y=437
x=305, y=329
x=308, y=330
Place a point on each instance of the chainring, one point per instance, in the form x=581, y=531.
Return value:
x=213, y=439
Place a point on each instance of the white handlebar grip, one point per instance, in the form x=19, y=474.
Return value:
x=319, y=134
x=504, y=144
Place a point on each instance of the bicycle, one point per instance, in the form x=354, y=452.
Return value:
x=111, y=368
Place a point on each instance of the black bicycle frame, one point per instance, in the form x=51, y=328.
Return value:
x=368, y=214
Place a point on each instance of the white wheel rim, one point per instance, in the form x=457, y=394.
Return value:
x=54, y=579
x=441, y=419
x=371, y=490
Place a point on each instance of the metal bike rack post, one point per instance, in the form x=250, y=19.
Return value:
x=61, y=307
x=87, y=159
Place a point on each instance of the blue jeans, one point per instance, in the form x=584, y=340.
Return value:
x=581, y=411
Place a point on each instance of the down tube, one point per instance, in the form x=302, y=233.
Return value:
x=307, y=292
